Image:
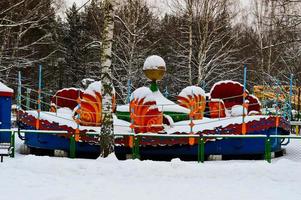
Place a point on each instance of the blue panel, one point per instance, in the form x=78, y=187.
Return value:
x=52, y=142
x=5, y=118
x=232, y=146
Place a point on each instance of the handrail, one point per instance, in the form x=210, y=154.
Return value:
x=12, y=140
x=201, y=143
x=43, y=131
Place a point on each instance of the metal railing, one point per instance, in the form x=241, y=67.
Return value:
x=137, y=137
x=201, y=142
x=12, y=140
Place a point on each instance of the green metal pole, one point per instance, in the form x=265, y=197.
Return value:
x=72, y=147
x=137, y=152
x=135, y=149
x=202, y=150
x=268, y=155
x=12, y=143
x=154, y=86
x=199, y=150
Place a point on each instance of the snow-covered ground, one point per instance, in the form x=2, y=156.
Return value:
x=33, y=177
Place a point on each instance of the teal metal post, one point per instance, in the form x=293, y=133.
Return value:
x=244, y=91
x=129, y=91
x=28, y=91
x=39, y=97
x=166, y=93
x=19, y=99
x=19, y=91
x=277, y=105
x=291, y=95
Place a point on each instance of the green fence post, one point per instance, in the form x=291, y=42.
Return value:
x=268, y=155
x=72, y=147
x=136, y=147
x=133, y=148
x=199, y=150
x=202, y=149
x=12, y=143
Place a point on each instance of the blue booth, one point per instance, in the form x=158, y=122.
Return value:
x=6, y=94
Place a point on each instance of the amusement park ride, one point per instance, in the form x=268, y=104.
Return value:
x=227, y=121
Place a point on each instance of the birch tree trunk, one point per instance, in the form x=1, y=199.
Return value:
x=106, y=136
x=190, y=24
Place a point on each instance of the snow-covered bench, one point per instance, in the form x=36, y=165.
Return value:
x=5, y=150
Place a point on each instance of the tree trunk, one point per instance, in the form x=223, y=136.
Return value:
x=190, y=21
x=106, y=136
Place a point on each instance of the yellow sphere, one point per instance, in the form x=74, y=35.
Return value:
x=154, y=68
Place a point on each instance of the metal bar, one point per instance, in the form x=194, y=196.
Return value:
x=136, y=148
x=234, y=136
x=12, y=143
x=43, y=131
x=291, y=94
x=190, y=136
x=244, y=91
x=72, y=149
x=39, y=97
x=268, y=154
x=285, y=136
x=19, y=91
x=5, y=130
x=28, y=98
x=202, y=149
x=298, y=107
x=128, y=97
x=199, y=150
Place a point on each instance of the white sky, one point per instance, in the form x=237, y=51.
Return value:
x=160, y=6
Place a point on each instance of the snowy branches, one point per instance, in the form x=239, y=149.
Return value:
x=19, y=47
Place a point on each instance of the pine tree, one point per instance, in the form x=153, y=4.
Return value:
x=75, y=71
x=92, y=32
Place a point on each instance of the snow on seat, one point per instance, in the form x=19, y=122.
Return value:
x=4, y=150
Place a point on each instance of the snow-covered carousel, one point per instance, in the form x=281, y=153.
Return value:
x=227, y=109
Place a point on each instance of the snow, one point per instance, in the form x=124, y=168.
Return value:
x=123, y=108
x=154, y=62
x=253, y=112
x=4, y=88
x=86, y=81
x=142, y=92
x=192, y=90
x=64, y=116
x=49, y=178
x=93, y=88
x=166, y=105
x=238, y=110
x=211, y=124
x=162, y=102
